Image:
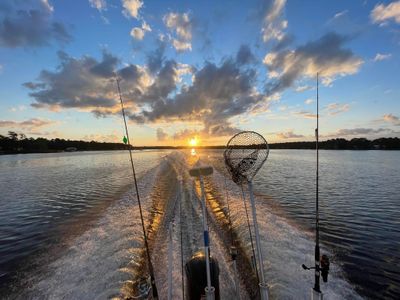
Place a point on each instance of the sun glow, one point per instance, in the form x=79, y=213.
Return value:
x=193, y=142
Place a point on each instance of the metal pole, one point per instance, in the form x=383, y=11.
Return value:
x=170, y=259
x=209, y=289
x=254, y=259
x=262, y=284
x=236, y=279
x=181, y=233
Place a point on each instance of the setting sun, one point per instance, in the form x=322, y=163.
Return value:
x=193, y=142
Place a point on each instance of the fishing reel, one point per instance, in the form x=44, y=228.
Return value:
x=323, y=267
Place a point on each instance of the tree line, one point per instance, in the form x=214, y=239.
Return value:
x=19, y=143
x=343, y=144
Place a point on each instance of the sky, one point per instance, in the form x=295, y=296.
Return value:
x=204, y=69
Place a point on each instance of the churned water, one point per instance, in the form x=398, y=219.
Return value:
x=70, y=229
x=47, y=199
x=359, y=210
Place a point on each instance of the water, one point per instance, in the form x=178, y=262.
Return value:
x=47, y=198
x=69, y=224
x=359, y=209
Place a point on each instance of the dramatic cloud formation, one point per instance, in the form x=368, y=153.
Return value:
x=217, y=94
x=29, y=24
x=273, y=22
x=153, y=92
x=131, y=8
x=383, y=13
x=324, y=55
x=98, y=4
x=336, y=108
x=289, y=135
x=390, y=118
x=379, y=56
x=81, y=83
x=182, y=26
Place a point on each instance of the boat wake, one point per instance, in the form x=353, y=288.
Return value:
x=108, y=258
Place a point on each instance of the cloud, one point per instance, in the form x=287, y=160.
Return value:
x=180, y=23
x=336, y=108
x=357, y=132
x=98, y=4
x=340, y=14
x=325, y=55
x=139, y=32
x=218, y=93
x=245, y=56
x=131, y=8
x=383, y=13
x=182, y=26
x=309, y=101
x=305, y=114
x=17, y=108
x=181, y=46
x=154, y=92
x=156, y=58
x=380, y=57
x=186, y=134
x=80, y=83
x=274, y=24
x=107, y=138
x=161, y=135
x=29, y=24
x=289, y=135
x=390, y=118
x=303, y=88
x=31, y=125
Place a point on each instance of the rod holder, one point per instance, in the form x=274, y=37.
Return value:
x=316, y=295
x=210, y=292
x=264, y=291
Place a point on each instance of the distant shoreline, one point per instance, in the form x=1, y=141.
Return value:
x=13, y=145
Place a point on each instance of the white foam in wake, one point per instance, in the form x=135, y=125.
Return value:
x=285, y=248
x=99, y=262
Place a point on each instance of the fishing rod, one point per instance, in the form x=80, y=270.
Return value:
x=321, y=262
x=317, y=255
x=151, y=270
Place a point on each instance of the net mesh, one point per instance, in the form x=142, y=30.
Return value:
x=245, y=154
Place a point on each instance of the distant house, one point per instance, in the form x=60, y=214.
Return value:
x=71, y=149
